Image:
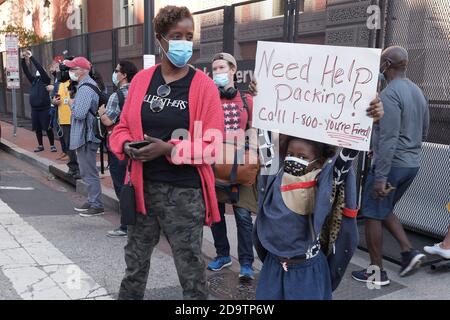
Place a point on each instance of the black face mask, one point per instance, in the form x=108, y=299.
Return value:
x=54, y=74
x=296, y=166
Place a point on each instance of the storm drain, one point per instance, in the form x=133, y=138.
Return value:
x=226, y=285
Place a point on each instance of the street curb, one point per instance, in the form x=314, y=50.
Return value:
x=24, y=155
x=108, y=196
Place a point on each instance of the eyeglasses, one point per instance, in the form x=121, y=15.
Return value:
x=157, y=105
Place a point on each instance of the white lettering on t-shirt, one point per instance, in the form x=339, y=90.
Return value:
x=179, y=104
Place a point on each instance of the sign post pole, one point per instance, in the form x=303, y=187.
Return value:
x=14, y=109
x=12, y=73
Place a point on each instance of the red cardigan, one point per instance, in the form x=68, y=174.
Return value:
x=204, y=106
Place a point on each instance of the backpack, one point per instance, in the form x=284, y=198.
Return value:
x=98, y=127
x=121, y=98
x=230, y=176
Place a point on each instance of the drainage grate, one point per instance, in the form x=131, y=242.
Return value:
x=226, y=285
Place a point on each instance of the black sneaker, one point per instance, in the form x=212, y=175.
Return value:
x=411, y=260
x=74, y=174
x=83, y=208
x=39, y=149
x=93, y=212
x=364, y=276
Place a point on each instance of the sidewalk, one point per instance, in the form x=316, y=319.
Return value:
x=424, y=284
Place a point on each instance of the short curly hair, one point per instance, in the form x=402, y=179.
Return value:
x=168, y=17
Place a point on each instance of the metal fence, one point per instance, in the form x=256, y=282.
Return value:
x=423, y=28
x=104, y=49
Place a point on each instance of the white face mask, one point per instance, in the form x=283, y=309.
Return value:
x=73, y=76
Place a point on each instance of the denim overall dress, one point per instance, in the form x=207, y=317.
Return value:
x=283, y=234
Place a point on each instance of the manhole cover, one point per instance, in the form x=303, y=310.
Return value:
x=226, y=285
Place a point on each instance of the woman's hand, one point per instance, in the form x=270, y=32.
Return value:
x=128, y=150
x=155, y=149
x=376, y=109
x=50, y=88
x=253, y=88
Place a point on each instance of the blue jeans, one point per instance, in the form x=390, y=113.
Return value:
x=379, y=209
x=244, y=225
x=118, y=170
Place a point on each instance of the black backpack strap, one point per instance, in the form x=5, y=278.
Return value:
x=97, y=91
x=245, y=102
x=93, y=87
x=121, y=98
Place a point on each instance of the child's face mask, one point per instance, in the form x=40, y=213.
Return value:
x=296, y=166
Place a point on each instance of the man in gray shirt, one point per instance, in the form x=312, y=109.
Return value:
x=397, y=142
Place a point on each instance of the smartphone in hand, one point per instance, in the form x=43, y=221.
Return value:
x=139, y=144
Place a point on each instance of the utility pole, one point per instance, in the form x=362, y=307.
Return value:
x=149, y=40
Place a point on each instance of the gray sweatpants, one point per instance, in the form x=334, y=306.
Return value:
x=87, y=161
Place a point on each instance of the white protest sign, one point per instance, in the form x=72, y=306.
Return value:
x=12, y=61
x=316, y=92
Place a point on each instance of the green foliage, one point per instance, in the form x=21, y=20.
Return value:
x=26, y=37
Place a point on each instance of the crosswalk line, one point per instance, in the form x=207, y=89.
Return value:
x=36, y=268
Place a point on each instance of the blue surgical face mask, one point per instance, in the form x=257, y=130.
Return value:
x=114, y=79
x=381, y=77
x=221, y=79
x=180, y=51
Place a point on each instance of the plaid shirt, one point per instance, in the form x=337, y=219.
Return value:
x=112, y=107
x=85, y=99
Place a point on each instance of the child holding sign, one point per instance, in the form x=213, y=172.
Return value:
x=305, y=231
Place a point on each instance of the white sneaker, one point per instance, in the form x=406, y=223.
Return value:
x=438, y=250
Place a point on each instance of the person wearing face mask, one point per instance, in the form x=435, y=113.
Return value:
x=61, y=99
x=39, y=101
x=172, y=175
x=57, y=124
x=237, y=117
x=110, y=116
x=82, y=137
x=305, y=231
x=397, y=142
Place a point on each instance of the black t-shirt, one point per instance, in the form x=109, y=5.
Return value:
x=175, y=115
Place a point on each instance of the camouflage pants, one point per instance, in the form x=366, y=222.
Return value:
x=179, y=213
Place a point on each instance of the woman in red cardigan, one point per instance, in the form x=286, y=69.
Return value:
x=173, y=178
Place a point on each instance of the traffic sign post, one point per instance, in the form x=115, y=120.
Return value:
x=12, y=72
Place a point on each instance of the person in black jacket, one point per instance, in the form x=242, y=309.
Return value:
x=39, y=101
